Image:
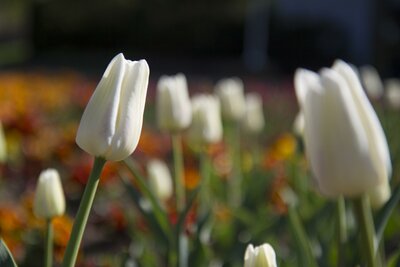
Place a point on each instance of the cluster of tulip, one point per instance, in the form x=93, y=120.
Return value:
x=344, y=143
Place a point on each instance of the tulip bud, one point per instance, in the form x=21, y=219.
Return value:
x=392, y=94
x=253, y=119
x=3, y=145
x=173, y=103
x=206, y=127
x=344, y=139
x=231, y=95
x=261, y=256
x=112, y=121
x=49, y=197
x=298, y=125
x=372, y=82
x=160, y=179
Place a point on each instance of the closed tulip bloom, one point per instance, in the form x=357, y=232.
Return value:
x=253, y=120
x=372, y=81
x=112, y=121
x=261, y=256
x=231, y=94
x=49, y=196
x=344, y=139
x=173, y=103
x=206, y=127
x=160, y=179
x=392, y=92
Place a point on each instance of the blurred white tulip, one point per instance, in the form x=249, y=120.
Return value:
x=344, y=139
x=206, y=127
x=253, y=121
x=160, y=179
x=379, y=195
x=298, y=124
x=49, y=196
x=173, y=107
x=372, y=81
x=261, y=256
x=392, y=92
x=112, y=121
x=231, y=94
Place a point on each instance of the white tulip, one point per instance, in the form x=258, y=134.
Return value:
x=392, y=92
x=298, y=124
x=344, y=139
x=253, y=120
x=206, y=127
x=160, y=179
x=112, y=121
x=173, y=103
x=231, y=94
x=49, y=196
x=372, y=82
x=261, y=256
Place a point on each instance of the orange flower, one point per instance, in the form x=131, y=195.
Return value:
x=192, y=178
x=62, y=230
x=283, y=149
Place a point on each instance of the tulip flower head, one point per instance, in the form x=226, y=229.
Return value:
x=253, y=120
x=206, y=127
x=344, y=139
x=49, y=196
x=372, y=81
x=392, y=93
x=231, y=94
x=160, y=179
x=261, y=256
x=112, y=121
x=173, y=103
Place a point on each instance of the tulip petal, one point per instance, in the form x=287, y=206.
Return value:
x=305, y=80
x=98, y=121
x=378, y=147
x=131, y=108
x=335, y=139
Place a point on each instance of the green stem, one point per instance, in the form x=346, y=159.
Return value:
x=235, y=194
x=205, y=183
x=365, y=222
x=48, y=253
x=305, y=251
x=179, y=172
x=341, y=230
x=78, y=228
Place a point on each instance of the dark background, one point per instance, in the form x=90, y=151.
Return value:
x=213, y=37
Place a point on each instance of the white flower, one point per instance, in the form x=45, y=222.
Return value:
x=173, y=103
x=298, y=124
x=112, y=121
x=253, y=120
x=392, y=92
x=49, y=196
x=343, y=137
x=372, y=81
x=160, y=179
x=231, y=94
x=261, y=256
x=206, y=127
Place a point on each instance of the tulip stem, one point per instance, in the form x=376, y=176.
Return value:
x=235, y=182
x=178, y=167
x=78, y=228
x=341, y=230
x=48, y=253
x=365, y=222
x=205, y=183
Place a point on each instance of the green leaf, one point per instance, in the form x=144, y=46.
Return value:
x=6, y=259
x=384, y=214
x=158, y=212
